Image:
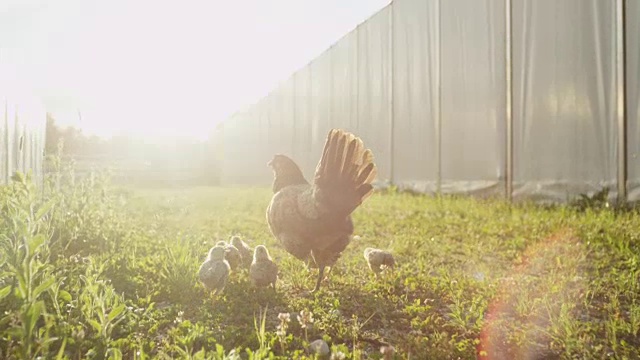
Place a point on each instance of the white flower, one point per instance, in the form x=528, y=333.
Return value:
x=305, y=318
x=284, y=317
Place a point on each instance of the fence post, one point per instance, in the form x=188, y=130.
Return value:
x=509, y=101
x=392, y=55
x=439, y=100
x=6, y=141
x=621, y=97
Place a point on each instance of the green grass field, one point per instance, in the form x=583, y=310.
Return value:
x=90, y=271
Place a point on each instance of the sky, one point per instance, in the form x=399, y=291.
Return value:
x=160, y=67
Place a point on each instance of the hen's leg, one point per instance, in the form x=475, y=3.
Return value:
x=320, y=276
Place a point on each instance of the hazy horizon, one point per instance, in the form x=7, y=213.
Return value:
x=181, y=67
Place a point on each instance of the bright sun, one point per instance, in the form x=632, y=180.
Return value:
x=158, y=69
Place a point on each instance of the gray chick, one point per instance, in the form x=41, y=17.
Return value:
x=214, y=271
x=377, y=258
x=246, y=252
x=263, y=270
x=231, y=254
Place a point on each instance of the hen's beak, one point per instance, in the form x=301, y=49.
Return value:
x=270, y=163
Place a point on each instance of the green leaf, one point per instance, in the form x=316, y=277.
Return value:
x=33, y=314
x=64, y=296
x=96, y=325
x=60, y=355
x=44, y=209
x=114, y=354
x=22, y=286
x=116, y=311
x=35, y=242
x=45, y=285
x=4, y=292
x=199, y=355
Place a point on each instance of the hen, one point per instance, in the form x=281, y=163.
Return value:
x=313, y=221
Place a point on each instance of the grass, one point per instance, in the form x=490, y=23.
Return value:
x=91, y=271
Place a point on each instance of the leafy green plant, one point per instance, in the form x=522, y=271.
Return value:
x=599, y=200
x=25, y=272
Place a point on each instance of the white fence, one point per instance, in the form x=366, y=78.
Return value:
x=22, y=130
x=522, y=98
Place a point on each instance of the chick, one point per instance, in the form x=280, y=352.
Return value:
x=214, y=271
x=246, y=253
x=231, y=254
x=263, y=270
x=377, y=258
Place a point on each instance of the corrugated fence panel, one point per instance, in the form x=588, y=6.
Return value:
x=344, y=80
x=272, y=112
x=415, y=94
x=633, y=97
x=564, y=97
x=303, y=107
x=473, y=96
x=286, y=112
x=231, y=150
x=242, y=161
x=240, y=148
x=423, y=83
x=261, y=152
x=257, y=143
x=321, y=103
x=238, y=156
x=374, y=84
x=10, y=142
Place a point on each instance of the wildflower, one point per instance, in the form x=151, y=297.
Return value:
x=282, y=328
x=338, y=356
x=179, y=319
x=284, y=317
x=305, y=318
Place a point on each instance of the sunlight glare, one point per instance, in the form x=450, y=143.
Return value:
x=162, y=68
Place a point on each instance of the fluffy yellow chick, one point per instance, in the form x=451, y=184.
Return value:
x=214, y=271
x=231, y=254
x=246, y=253
x=263, y=270
x=377, y=259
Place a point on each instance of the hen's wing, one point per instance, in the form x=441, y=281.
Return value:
x=289, y=222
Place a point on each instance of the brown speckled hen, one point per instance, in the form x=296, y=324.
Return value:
x=313, y=221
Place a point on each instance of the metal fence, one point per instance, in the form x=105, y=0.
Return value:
x=22, y=130
x=521, y=98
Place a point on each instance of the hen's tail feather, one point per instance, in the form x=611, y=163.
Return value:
x=345, y=172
